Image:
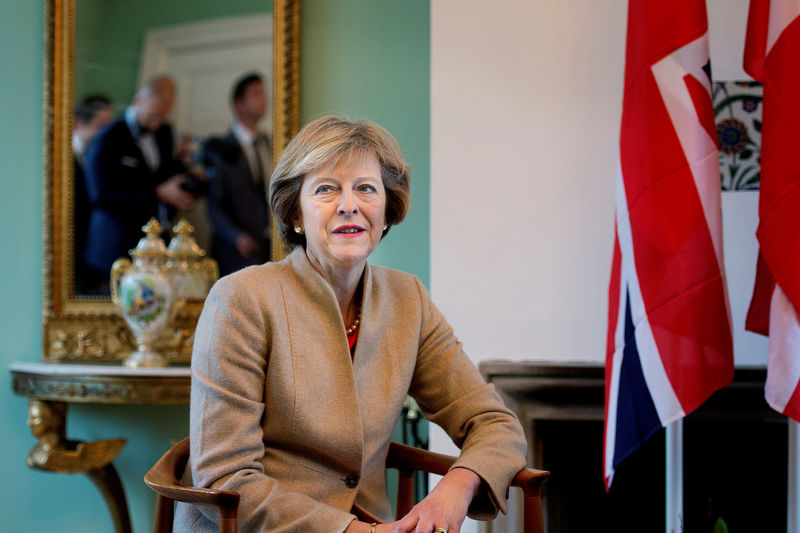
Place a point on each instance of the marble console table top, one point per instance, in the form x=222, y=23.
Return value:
x=115, y=384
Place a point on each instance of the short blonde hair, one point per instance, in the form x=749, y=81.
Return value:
x=327, y=141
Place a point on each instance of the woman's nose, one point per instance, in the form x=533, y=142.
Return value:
x=347, y=204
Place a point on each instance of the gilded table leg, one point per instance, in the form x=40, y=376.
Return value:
x=108, y=483
x=55, y=453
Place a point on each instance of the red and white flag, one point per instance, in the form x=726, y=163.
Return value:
x=772, y=56
x=669, y=344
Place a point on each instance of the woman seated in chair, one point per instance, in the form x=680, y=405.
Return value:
x=300, y=367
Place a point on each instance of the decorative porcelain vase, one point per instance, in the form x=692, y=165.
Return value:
x=185, y=260
x=147, y=294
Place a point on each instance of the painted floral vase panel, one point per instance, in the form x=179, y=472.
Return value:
x=145, y=300
x=737, y=112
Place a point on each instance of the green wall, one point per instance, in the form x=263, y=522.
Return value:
x=20, y=238
x=363, y=58
x=369, y=59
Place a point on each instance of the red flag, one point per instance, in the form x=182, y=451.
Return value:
x=669, y=344
x=771, y=57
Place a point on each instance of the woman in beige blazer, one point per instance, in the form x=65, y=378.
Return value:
x=300, y=368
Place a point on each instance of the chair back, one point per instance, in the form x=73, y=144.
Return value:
x=164, y=478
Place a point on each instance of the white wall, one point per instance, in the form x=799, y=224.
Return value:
x=525, y=106
x=525, y=101
x=526, y=98
x=727, y=21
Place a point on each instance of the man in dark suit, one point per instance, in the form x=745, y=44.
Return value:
x=132, y=175
x=91, y=113
x=239, y=169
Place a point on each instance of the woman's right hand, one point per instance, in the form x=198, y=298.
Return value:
x=444, y=508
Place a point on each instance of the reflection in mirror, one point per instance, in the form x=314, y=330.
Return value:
x=158, y=133
x=119, y=46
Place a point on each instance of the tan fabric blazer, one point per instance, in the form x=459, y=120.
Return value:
x=283, y=415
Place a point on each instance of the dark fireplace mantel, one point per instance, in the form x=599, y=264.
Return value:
x=561, y=408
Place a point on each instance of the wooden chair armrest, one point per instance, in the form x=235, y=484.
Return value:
x=162, y=479
x=403, y=457
x=530, y=480
x=408, y=458
x=226, y=501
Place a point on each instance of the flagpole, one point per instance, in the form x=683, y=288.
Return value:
x=793, y=485
x=674, y=438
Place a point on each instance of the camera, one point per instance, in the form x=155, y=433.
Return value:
x=195, y=185
x=192, y=159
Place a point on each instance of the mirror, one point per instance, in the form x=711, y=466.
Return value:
x=88, y=52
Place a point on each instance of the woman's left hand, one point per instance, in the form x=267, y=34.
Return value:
x=445, y=507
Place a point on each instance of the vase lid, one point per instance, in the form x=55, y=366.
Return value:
x=151, y=245
x=183, y=244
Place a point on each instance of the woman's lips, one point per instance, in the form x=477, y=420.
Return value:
x=349, y=231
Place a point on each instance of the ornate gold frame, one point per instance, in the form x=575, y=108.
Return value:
x=89, y=329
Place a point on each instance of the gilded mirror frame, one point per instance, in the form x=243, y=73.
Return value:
x=90, y=329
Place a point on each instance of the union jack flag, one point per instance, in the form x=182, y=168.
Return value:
x=771, y=57
x=669, y=344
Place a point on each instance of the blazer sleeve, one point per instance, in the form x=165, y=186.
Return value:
x=452, y=393
x=226, y=435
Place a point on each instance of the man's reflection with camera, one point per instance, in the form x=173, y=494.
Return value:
x=131, y=176
x=239, y=166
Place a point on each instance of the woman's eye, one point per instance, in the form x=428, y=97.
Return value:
x=323, y=189
x=366, y=188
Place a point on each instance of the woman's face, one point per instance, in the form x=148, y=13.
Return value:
x=342, y=212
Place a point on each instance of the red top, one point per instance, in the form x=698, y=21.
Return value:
x=352, y=338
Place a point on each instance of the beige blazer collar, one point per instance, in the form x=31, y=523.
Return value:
x=319, y=291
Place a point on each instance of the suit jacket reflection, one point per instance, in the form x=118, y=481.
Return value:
x=122, y=191
x=283, y=415
x=237, y=204
x=84, y=279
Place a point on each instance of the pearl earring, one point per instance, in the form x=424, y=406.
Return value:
x=384, y=228
x=298, y=229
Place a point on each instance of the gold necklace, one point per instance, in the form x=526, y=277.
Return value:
x=356, y=322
